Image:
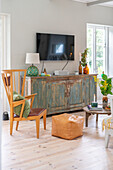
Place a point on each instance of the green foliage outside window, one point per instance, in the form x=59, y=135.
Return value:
x=100, y=49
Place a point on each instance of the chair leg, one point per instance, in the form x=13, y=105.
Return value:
x=44, y=121
x=11, y=127
x=106, y=138
x=37, y=126
x=17, y=125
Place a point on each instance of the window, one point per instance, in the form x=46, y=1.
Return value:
x=99, y=51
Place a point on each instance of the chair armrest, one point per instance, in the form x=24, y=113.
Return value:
x=17, y=103
x=30, y=96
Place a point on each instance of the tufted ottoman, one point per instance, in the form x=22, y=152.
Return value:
x=67, y=126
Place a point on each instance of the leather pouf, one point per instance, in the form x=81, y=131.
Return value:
x=67, y=126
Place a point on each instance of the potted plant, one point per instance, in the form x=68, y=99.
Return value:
x=84, y=61
x=105, y=86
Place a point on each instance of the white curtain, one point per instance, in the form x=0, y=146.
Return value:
x=5, y=59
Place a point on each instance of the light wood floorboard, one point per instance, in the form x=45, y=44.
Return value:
x=23, y=151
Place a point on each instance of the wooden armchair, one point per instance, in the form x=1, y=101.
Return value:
x=9, y=81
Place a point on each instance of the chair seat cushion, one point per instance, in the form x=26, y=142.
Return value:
x=34, y=112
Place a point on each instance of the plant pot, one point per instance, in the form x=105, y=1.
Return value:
x=105, y=101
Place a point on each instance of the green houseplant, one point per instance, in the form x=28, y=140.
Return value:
x=105, y=85
x=84, y=57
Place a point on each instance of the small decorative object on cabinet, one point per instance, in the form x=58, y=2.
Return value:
x=32, y=58
x=105, y=87
x=80, y=68
x=84, y=57
x=45, y=72
x=62, y=93
x=86, y=69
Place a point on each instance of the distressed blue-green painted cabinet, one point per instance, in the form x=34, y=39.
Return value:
x=61, y=93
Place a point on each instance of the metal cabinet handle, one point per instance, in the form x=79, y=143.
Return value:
x=68, y=91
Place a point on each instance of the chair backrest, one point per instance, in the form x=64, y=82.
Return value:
x=10, y=78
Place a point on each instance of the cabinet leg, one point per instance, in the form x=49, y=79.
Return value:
x=87, y=116
x=96, y=120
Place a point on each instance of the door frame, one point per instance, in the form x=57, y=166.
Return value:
x=5, y=65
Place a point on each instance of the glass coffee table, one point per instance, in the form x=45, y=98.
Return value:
x=89, y=113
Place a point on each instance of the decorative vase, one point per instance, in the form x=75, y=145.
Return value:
x=105, y=101
x=86, y=69
x=80, y=68
x=32, y=71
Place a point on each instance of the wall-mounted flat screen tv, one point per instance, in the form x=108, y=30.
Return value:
x=55, y=46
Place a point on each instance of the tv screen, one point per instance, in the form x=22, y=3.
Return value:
x=55, y=46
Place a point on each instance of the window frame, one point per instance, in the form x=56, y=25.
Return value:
x=106, y=59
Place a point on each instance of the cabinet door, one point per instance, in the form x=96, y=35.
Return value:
x=93, y=89
x=56, y=96
x=39, y=86
x=86, y=88
x=75, y=98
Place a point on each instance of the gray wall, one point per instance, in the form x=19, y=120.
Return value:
x=54, y=16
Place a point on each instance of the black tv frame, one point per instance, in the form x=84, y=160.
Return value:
x=70, y=57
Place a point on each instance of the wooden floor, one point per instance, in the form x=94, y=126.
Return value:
x=23, y=151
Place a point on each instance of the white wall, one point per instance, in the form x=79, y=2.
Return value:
x=0, y=105
x=56, y=16
x=0, y=119
x=1, y=111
